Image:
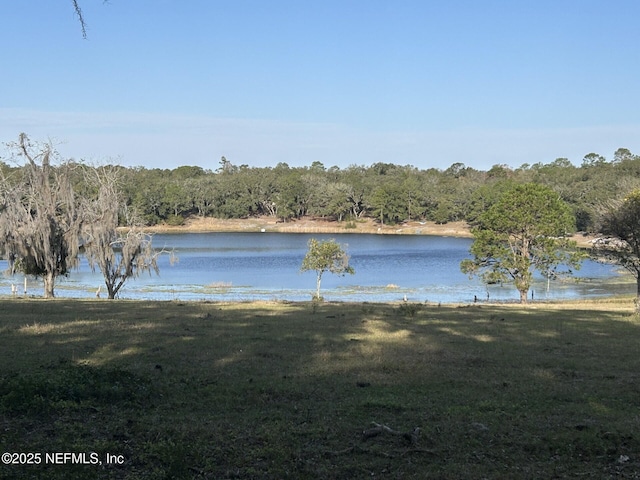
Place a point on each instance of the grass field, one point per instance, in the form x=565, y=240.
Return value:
x=332, y=391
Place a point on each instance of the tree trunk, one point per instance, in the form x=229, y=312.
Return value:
x=637, y=302
x=524, y=296
x=49, y=281
x=318, y=280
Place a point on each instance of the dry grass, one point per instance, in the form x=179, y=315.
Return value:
x=285, y=390
x=312, y=225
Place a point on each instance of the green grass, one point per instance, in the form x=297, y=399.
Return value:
x=285, y=390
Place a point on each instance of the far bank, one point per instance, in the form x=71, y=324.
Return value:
x=312, y=225
x=323, y=226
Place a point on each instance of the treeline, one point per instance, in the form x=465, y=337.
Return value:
x=386, y=192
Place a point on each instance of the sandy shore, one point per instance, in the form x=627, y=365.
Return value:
x=313, y=225
x=316, y=225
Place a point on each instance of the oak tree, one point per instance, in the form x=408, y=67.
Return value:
x=326, y=256
x=524, y=231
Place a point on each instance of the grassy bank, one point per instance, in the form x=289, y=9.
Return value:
x=267, y=390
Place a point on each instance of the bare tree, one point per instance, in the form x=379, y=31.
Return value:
x=40, y=221
x=120, y=254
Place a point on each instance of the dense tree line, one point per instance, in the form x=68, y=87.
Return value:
x=386, y=192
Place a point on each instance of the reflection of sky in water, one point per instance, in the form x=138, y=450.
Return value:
x=251, y=266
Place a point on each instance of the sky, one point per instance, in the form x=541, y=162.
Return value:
x=165, y=83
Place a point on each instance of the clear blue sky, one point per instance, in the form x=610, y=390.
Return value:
x=164, y=83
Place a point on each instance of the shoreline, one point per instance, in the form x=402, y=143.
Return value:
x=623, y=301
x=266, y=224
x=312, y=225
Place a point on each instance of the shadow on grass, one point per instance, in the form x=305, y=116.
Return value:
x=279, y=390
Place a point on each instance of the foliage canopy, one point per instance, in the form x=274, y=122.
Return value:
x=523, y=232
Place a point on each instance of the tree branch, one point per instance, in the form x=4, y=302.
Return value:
x=83, y=25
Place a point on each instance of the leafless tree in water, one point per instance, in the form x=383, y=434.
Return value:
x=119, y=252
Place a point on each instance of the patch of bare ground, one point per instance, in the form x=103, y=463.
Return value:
x=313, y=225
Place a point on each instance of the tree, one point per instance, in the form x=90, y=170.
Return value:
x=593, y=160
x=620, y=240
x=40, y=220
x=337, y=200
x=203, y=192
x=522, y=232
x=483, y=197
x=387, y=204
x=623, y=155
x=325, y=256
x=120, y=255
x=292, y=197
x=411, y=189
x=456, y=170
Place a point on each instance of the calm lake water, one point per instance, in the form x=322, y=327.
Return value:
x=266, y=266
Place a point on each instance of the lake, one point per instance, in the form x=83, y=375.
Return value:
x=266, y=266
